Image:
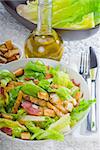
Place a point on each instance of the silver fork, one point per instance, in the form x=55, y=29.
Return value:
x=85, y=67
x=84, y=70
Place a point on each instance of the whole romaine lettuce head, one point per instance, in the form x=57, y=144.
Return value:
x=70, y=14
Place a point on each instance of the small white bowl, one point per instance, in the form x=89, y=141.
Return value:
x=21, y=52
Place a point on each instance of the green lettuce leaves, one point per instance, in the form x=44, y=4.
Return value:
x=61, y=78
x=31, y=89
x=5, y=77
x=14, y=125
x=39, y=133
x=13, y=93
x=79, y=111
x=70, y=14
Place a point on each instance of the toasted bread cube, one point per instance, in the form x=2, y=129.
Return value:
x=12, y=58
x=43, y=95
x=9, y=45
x=17, y=103
x=7, y=116
x=19, y=72
x=3, y=60
x=49, y=112
x=25, y=135
x=11, y=53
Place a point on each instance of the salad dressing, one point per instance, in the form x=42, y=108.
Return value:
x=44, y=42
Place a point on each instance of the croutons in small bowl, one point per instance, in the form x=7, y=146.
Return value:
x=9, y=52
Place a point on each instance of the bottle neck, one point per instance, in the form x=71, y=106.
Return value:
x=44, y=25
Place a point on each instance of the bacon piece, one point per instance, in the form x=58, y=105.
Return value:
x=76, y=84
x=6, y=130
x=2, y=91
x=34, y=100
x=29, y=109
x=48, y=76
x=26, y=104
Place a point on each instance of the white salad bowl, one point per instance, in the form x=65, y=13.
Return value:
x=19, y=144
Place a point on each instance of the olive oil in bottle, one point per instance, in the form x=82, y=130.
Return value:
x=44, y=42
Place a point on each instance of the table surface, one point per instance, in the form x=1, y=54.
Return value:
x=12, y=29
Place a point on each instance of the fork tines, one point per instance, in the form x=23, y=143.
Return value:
x=85, y=64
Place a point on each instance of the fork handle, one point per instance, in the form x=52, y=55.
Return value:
x=91, y=119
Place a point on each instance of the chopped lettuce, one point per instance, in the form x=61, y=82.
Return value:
x=53, y=70
x=2, y=105
x=33, y=129
x=45, y=84
x=6, y=73
x=5, y=81
x=3, y=102
x=46, y=123
x=74, y=90
x=31, y=89
x=21, y=112
x=70, y=84
x=63, y=93
x=35, y=69
x=33, y=118
x=37, y=66
x=16, y=127
x=79, y=111
x=51, y=134
x=61, y=78
x=61, y=124
x=6, y=76
x=39, y=133
x=13, y=93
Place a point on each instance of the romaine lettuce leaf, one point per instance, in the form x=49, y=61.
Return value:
x=41, y=134
x=37, y=66
x=36, y=70
x=61, y=124
x=51, y=134
x=61, y=78
x=13, y=93
x=70, y=14
x=32, y=89
x=46, y=123
x=16, y=127
x=63, y=93
x=79, y=112
x=45, y=84
x=33, y=129
x=6, y=76
x=20, y=113
x=6, y=73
